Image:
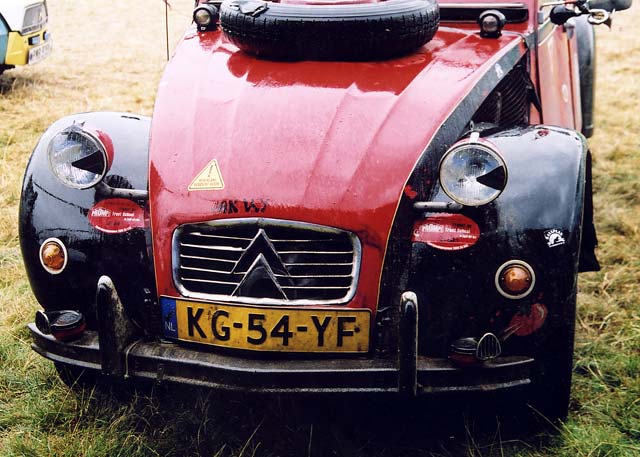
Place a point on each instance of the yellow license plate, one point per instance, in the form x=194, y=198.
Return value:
x=283, y=329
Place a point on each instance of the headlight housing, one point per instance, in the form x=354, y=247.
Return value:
x=473, y=173
x=80, y=157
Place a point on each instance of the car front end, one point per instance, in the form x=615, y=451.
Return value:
x=24, y=38
x=316, y=226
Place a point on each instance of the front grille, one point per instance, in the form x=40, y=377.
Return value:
x=266, y=261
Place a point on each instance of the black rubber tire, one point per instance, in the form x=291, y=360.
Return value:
x=360, y=32
x=77, y=377
x=551, y=383
x=550, y=393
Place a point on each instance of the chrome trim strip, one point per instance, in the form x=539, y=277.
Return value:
x=263, y=223
x=484, y=5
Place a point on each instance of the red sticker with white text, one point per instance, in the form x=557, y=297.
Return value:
x=116, y=215
x=446, y=231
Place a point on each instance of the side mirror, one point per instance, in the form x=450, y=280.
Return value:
x=599, y=11
x=610, y=5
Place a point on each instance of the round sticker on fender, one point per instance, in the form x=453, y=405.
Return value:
x=116, y=215
x=446, y=231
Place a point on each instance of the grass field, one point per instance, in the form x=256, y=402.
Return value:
x=109, y=56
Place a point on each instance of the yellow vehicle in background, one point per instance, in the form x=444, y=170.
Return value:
x=24, y=39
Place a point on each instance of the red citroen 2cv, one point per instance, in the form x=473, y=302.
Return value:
x=332, y=196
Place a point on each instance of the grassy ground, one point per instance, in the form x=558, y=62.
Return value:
x=109, y=55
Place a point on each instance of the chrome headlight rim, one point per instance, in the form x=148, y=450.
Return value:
x=93, y=137
x=478, y=143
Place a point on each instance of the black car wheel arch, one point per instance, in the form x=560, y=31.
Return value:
x=49, y=209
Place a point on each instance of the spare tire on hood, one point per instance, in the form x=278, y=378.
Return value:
x=332, y=31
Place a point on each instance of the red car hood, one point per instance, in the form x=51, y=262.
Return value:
x=330, y=143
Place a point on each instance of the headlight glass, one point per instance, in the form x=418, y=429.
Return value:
x=35, y=18
x=78, y=158
x=473, y=173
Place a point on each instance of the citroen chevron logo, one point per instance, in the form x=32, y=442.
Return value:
x=260, y=263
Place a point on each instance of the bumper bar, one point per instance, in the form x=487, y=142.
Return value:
x=119, y=354
x=171, y=362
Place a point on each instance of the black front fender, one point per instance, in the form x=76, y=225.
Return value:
x=49, y=209
x=546, y=184
x=537, y=219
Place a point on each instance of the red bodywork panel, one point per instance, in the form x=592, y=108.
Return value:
x=330, y=143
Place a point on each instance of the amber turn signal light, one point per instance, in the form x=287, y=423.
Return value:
x=515, y=279
x=53, y=256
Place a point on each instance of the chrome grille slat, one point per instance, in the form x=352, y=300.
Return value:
x=220, y=236
x=311, y=276
x=313, y=288
x=302, y=241
x=316, y=252
x=266, y=261
x=206, y=258
x=320, y=264
x=215, y=248
x=209, y=281
x=205, y=270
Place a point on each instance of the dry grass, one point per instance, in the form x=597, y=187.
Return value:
x=109, y=56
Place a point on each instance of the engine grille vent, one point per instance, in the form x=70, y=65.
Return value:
x=266, y=261
x=508, y=104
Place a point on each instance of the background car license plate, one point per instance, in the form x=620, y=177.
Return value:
x=263, y=328
x=39, y=53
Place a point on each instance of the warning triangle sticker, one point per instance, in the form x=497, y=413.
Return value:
x=209, y=178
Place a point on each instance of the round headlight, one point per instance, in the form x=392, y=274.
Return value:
x=473, y=173
x=78, y=157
